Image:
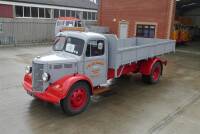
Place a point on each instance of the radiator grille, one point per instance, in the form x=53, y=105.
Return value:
x=37, y=72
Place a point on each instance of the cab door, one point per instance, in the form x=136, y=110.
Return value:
x=96, y=63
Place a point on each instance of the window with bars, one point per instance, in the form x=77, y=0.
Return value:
x=47, y=12
x=56, y=13
x=73, y=13
x=41, y=13
x=89, y=16
x=85, y=15
x=1, y=28
x=19, y=11
x=93, y=16
x=68, y=13
x=78, y=14
x=62, y=13
x=27, y=12
x=146, y=31
x=36, y=12
x=32, y=12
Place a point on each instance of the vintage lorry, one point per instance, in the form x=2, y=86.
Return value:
x=69, y=24
x=74, y=24
x=81, y=62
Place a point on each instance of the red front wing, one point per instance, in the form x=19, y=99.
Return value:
x=55, y=91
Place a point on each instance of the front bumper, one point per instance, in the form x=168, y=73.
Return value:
x=52, y=94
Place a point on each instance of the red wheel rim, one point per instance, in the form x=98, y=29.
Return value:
x=156, y=73
x=78, y=99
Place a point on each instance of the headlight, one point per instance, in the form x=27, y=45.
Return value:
x=45, y=77
x=28, y=69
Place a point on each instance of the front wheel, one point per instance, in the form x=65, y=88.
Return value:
x=77, y=99
x=154, y=77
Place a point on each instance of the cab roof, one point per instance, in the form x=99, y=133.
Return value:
x=82, y=35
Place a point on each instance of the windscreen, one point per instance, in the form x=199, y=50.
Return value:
x=59, y=43
x=69, y=44
x=74, y=46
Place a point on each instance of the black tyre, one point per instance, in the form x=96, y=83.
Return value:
x=155, y=75
x=77, y=99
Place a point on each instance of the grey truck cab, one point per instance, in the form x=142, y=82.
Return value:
x=73, y=53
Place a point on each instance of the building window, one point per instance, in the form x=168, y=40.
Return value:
x=56, y=13
x=73, y=13
x=93, y=16
x=146, y=31
x=41, y=12
x=1, y=28
x=62, y=13
x=34, y=12
x=68, y=13
x=19, y=11
x=96, y=16
x=27, y=12
x=47, y=12
x=89, y=16
x=85, y=15
x=78, y=14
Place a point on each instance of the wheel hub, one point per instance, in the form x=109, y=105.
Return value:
x=78, y=98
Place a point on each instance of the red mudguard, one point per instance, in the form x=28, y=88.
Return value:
x=147, y=65
x=56, y=91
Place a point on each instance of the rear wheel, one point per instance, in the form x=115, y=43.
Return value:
x=154, y=77
x=77, y=99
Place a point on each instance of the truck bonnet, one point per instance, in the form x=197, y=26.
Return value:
x=56, y=58
x=56, y=65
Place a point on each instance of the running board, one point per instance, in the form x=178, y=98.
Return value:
x=100, y=90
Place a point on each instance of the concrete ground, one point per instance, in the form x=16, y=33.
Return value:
x=170, y=107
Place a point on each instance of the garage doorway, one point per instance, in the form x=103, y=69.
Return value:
x=123, y=30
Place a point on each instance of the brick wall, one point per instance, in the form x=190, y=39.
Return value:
x=133, y=11
x=6, y=11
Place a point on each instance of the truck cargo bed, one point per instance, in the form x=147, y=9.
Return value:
x=125, y=51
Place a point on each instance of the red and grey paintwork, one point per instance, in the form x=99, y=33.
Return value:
x=73, y=79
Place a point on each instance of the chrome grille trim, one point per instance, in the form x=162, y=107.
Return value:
x=37, y=71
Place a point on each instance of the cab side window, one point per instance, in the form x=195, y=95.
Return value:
x=95, y=48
